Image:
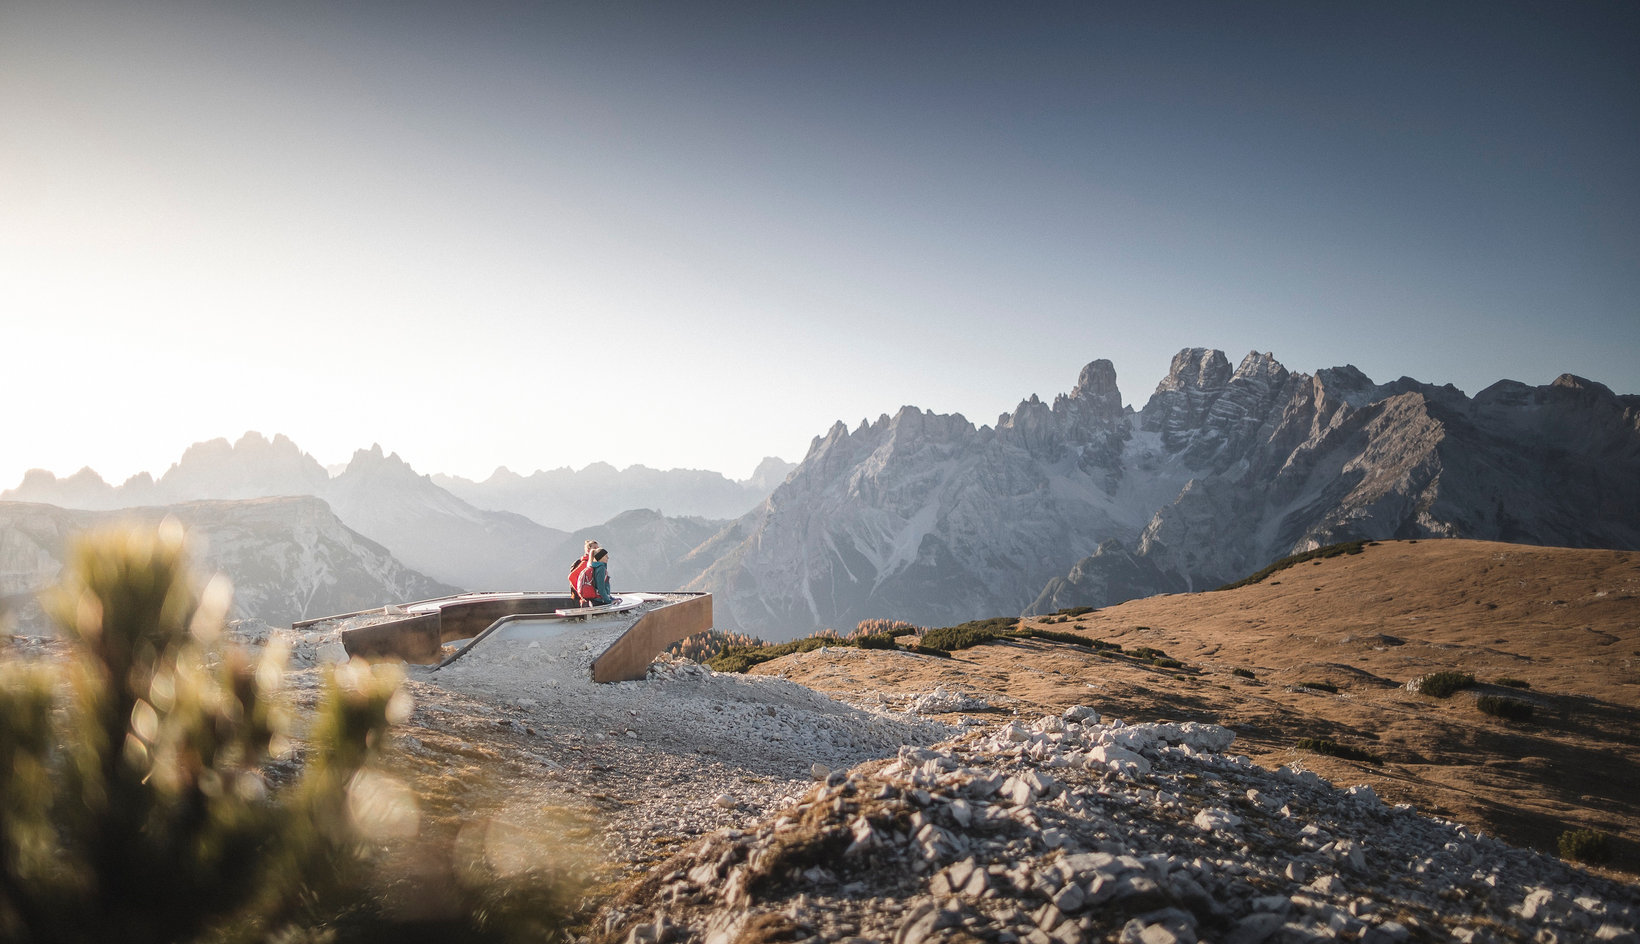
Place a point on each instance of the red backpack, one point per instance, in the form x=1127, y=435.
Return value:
x=585, y=587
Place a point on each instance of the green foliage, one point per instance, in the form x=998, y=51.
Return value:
x=1243, y=673
x=1586, y=845
x=132, y=803
x=1508, y=682
x=1152, y=656
x=971, y=633
x=742, y=658
x=1445, y=684
x=1074, y=611
x=1052, y=636
x=1335, y=749
x=1320, y=686
x=1509, y=709
x=1320, y=553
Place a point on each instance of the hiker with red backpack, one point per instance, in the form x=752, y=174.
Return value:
x=589, y=578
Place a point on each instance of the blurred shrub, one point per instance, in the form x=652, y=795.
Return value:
x=132, y=802
x=1320, y=686
x=1509, y=682
x=1243, y=673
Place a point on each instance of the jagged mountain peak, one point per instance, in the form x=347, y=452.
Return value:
x=1257, y=366
x=252, y=467
x=374, y=462
x=1347, y=383
x=1196, y=368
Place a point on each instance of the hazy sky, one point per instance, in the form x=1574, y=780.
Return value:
x=694, y=234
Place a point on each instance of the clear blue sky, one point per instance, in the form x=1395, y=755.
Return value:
x=695, y=234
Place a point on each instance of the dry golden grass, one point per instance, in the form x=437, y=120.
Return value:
x=1567, y=622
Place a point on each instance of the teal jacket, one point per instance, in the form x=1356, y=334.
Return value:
x=600, y=580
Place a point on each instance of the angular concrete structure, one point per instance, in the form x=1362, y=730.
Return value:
x=420, y=632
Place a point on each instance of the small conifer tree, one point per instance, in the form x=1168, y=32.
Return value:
x=132, y=800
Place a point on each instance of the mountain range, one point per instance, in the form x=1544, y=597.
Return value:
x=1084, y=502
x=428, y=528
x=569, y=499
x=926, y=517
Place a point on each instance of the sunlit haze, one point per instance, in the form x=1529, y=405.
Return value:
x=696, y=234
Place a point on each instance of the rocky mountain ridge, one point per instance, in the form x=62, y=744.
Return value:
x=926, y=517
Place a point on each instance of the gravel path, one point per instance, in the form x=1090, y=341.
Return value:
x=682, y=753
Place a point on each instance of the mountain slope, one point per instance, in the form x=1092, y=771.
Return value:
x=1565, y=622
x=288, y=558
x=434, y=531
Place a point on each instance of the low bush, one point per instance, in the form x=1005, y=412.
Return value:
x=1243, y=673
x=1104, y=646
x=741, y=658
x=971, y=633
x=1320, y=686
x=1335, y=749
x=1444, y=684
x=1586, y=845
x=1151, y=656
x=1509, y=682
x=1509, y=709
x=1074, y=611
x=1053, y=636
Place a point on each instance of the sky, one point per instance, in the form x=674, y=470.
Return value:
x=693, y=234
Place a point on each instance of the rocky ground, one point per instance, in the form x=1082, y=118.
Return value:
x=1073, y=829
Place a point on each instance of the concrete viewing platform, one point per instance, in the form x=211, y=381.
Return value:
x=441, y=630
